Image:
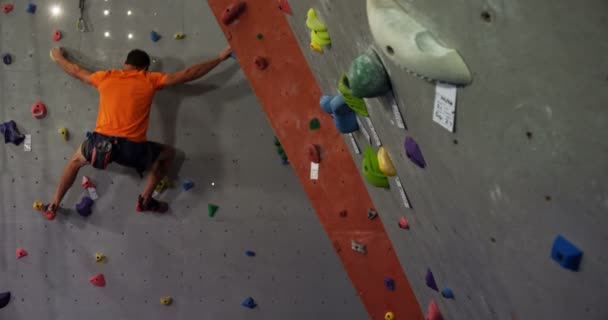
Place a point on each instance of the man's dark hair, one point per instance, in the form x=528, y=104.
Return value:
x=138, y=58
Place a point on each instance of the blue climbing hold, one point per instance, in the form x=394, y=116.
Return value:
x=11, y=133
x=31, y=8
x=232, y=55
x=344, y=117
x=389, y=284
x=566, y=254
x=430, y=280
x=5, y=298
x=447, y=293
x=249, y=303
x=154, y=36
x=284, y=162
x=7, y=59
x=250, y=253
x=188, y=184
x=84, y=208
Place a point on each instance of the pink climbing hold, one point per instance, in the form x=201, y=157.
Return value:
x=38, y=110
x=433, y=312
x=284, y=6
x=21, y=253
x=98, y=280
x=403, y=223
x=6, y=8
x=87, y=183
x=56, y=35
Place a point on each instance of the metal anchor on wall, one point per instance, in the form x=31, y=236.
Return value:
x=82, y=27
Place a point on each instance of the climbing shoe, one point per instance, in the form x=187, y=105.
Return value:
x=153, y=205
x=49, y=211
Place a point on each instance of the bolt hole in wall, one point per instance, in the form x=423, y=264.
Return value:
x=486, y=16
x=390, y=50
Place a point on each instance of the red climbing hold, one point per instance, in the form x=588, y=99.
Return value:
x=21, y=253
x=284, y=6
x=260, y=62
x=403, y=223
x=98, y=280
x=433, y=312
x=232, y=12
x=56, y=35
x=313, y=153
x=6, y=8
x=38, y=110
x=87, y=183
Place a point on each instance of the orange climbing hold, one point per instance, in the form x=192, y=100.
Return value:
x=433, y=312
x=232, y=12
x=21, y=253
x=98, y=280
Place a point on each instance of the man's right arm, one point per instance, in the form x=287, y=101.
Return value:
x=73, y=69
x=196, y=71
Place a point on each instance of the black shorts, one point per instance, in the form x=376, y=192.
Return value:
x=137, y=155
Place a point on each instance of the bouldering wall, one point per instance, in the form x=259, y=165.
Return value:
x=527, y=160
x=226, y=148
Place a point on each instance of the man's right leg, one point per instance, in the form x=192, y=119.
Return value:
x=67, y=180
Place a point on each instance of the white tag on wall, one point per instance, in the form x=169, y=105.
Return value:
x=93, y=193
x=444, y=111
x=364, y=131
x=314, y=171
x=354, y=142
x=374, y=133
x=402, y=194
x=390, y=97
x=27, y=144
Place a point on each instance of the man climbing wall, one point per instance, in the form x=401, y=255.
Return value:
x=122, y=122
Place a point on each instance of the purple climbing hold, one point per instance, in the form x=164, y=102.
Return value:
x=7, y=59
x=11, y=133
x=5, y=298
x=412, y=150
x=84, y=208
x=430, y=280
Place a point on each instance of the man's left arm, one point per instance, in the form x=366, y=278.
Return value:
x=73, y=69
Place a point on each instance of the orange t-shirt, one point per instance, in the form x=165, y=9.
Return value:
x=125, y=101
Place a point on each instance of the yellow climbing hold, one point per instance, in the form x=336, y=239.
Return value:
x=163, y=185
x=38, y=205
x=389, y=316
x=166, y=301
x=179, y=36
x=386, y=165
x=64, y=133
x=313, y=22
x=100, y=257
x=316, y=47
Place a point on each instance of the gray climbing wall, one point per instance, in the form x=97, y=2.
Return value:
x=527, y=161
x=226, y=147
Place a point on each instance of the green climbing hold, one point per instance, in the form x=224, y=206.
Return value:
x=260, y=36
x=371, y=169
x=212, y=208
x=314, y=124
x=277, y=142
x=368, y=78
x=357, y=104
x=313, y=22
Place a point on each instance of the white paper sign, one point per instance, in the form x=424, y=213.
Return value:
x=445, y=105
x=374, y=133
x=93, y=193
x=314, y=171
x=354, y=142
x=27, y=145
x=365, y=133
x=406, y=202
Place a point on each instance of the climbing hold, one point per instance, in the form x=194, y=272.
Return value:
x=430, y=280
x=38, y=205
x=566, y=254
x=316, y=47
x=7, y=59
x=371, y=169
x=212, y=209
x=357, y=104
x=320, y=37
x=11, y=133
x=98, y=280
x=403, y=224
x=21, y=253
x=284, y=6
x=367, y=76
x=154, y=36
x=64, y=133
x=232, y=12
x=249, y=303
x=313, y=153
x=372, y=214
x=38, y=110
x=385, y=163
x=188, y=184
x=344, y=117
x=5, y=298
x=447, y=293
x=87, y=183
x=389, y=284
x=260, y=62
x=179, y=36
x=433, y=312
x=166, y=300
x=57, y=35
x=314, y=124
x=313, y=22
x=48, y=212
x=100, y=257
x=277, y=142
x=260, y=36
x=389, y=316
x=358, y=247
x=6, y=8
x=250, y=253
x=84, y=208
x=31, y=8
x=343, y=213
x=411, y=46
x=412, y=150
x=163, y=184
